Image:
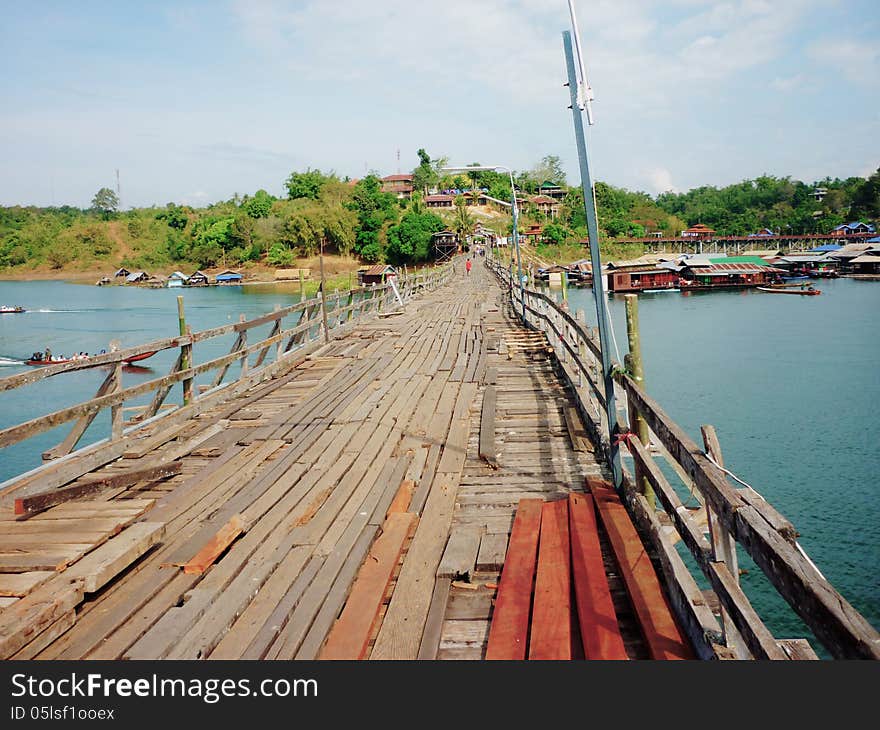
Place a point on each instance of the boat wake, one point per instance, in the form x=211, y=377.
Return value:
x=57, y=311
x=10, y=362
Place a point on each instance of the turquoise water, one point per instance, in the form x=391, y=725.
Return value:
x=71, y=318
x=791, y=385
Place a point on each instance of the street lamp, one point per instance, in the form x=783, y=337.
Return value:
x=515, y=211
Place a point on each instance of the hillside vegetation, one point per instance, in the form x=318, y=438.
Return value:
x=357, y=221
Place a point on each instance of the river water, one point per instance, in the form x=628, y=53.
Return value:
x=790, y=383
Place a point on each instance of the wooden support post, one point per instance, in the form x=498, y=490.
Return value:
x=723, y=546
x=302, y=286
x=185, y=353
x=116, y=410
x=243, y=347
x=634, y=365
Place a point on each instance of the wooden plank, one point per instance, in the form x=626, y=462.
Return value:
x=224, y=537
x=143, y=446
x=20, y=584
x=551, y=630
x=580, y=441
x=660, y=630
x=493, y=548
x=488, y=451
x=104, y=563
x=434, y=622
x=508, y=633
x=244, y=630
x=597, y=621
x=798, y=649
x=460, y=555
x=43, y=500
x=21, y=622
x=350, y=635
x=401, y=632
x=46, y=637
x=401, y=500
x=56, y=558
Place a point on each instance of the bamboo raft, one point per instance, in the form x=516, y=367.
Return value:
x=384, y=481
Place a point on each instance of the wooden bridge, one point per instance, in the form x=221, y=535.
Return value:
x=406, y=471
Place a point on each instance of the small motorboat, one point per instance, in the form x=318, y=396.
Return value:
x=11, y=310
x=808, y=292
x=55, y=360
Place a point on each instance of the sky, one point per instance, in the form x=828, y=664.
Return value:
x=193, y=102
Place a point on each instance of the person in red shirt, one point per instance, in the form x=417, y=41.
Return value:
x=467, y=266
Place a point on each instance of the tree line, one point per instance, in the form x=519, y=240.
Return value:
x=356, y=217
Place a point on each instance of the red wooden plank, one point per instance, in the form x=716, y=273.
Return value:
x=224, y=537
x=658, y=625
x=551, y=634
x=509, y=631
x=600, y=632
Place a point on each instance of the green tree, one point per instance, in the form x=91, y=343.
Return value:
x=176, y=217
x=260, y=205
x=105, y=202
x=373, y=208
x=410, y=240
x=306, y=184
x=462, y=221
x=549, y=169
x=866, y=199
x=279, y=255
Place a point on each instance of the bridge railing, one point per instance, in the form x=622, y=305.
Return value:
x=295, y=330
x=734, y=516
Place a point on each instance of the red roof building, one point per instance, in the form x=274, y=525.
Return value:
x=399, y=185
x=701, y=230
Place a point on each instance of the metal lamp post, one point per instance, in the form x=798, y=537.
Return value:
x=514, y=210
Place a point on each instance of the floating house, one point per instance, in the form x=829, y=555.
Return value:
x=199, y=278
x=868, y=263
x=228, y=277
x=631, y=277
x=375, y=274
x=177, y=279
x=137, y=277
x=727, y=272
x=121, y=272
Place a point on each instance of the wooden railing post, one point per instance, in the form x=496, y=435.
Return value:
x=723, y=545
x=243, y=337
x=633, y=362
x=116, y=419
x=185, y=353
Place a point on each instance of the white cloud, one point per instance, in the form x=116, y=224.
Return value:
x=659, y=180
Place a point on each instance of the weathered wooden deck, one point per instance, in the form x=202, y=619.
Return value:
x=293, y=479
x=355, y=499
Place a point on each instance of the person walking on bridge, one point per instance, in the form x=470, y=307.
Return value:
x=467, y=266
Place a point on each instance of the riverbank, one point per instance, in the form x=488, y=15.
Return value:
x=334, y=266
